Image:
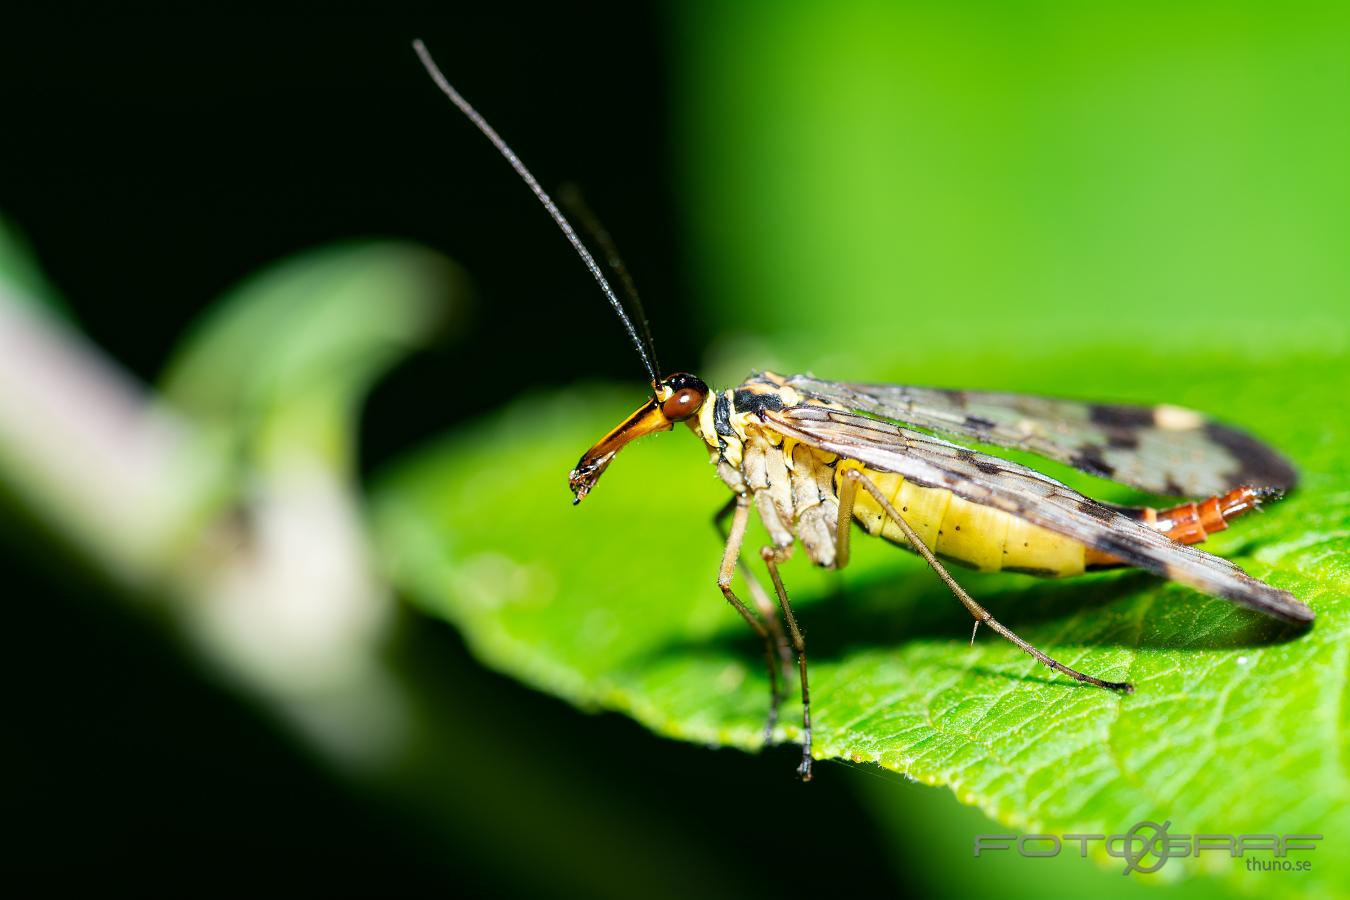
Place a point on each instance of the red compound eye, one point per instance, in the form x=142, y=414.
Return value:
x=687, y=395
x=682, y=405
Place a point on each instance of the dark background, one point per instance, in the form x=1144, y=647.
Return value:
x=158, y=162
x=154, y=160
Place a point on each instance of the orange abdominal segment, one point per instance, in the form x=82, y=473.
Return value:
x=1188, y=523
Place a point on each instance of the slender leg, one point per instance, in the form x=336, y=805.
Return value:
x=979, y=612
x=771, y=559
x=735, y=537
x=848, y=489
x=768, y=609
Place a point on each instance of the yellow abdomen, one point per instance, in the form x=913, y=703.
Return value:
x=982, y=537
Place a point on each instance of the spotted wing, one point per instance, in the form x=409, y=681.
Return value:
x=1029, y=495
x=1160, y=449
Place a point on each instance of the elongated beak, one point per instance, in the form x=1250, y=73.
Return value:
x=646, y=420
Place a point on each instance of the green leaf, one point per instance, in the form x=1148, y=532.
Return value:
x=1235, y=726
x=873, y=175
x=282, y=360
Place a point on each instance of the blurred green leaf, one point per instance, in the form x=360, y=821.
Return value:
x=863, y=177
x=20, y=272
x=613, y=605
x=282, y=360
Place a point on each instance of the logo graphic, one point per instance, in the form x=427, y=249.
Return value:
x=1156, y=847
x=1148, y=846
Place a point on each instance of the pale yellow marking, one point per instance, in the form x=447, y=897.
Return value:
x=1032, y=548
x=707, y=426
x=737, y=420
x=973, y=534
x=1174, y=418
x=734, y=450
x=923, y=508
x=890, y=485
x=865, y=507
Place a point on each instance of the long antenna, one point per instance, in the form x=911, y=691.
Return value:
x=524, y=173
x=571, y=198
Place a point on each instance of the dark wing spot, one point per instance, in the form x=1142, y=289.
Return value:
x=1258, y=465
x=1172, y=489
x=1090, y=460
x=1137, y=513
x=979, y=423
x=1115, y=416
x=1121, y=424
x=1123, y=549
x=957, y=399
x=1095, y=509
x=979, y=461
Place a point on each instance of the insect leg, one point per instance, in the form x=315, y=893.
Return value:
x=731, y=557
x=979, y=612
x=848, y=489
x=767, y=608
x=771, y=556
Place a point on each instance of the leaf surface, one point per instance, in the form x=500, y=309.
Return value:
x=1236, y=726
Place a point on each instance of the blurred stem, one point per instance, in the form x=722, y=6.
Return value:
x=243, y=518
x=124, y=478
x=239, y=514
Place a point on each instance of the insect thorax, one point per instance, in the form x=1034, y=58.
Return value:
x=793, y=485
x=796, y=487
